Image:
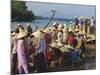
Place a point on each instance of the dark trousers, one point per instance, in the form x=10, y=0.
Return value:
x=40, y=63
x=14, y=63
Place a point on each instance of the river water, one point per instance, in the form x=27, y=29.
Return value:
x=39, y=23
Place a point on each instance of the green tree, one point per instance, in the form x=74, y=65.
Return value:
x=19, y=12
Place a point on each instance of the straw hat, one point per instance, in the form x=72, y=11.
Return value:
x=46, y=30
x=77, y=29
x=53, y=28
x=13, y=34
x=64, y=30
x=21, y=34
x=21, y=30
x=38, y=34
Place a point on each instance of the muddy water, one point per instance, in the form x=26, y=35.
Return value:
x=88, y=63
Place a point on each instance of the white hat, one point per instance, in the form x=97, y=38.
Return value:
x=28, y=24
x=21, y=34
x=81, y=17
x=65, y=26
x=19, y=24
x=54, y=23
x=71, y=22
x=75, y=17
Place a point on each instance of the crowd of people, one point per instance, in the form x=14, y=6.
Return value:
x=55, y=45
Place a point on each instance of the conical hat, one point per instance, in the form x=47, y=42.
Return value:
x=77, y=29
x=46, y=30
x=64, y=30
x=38, y=34
x=13, y=34
x=53, y=28
x=81, y=17
x=21, y=34
x=54, y=23
x=21, y=30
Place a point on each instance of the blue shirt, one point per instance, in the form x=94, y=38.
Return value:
x=41, y=46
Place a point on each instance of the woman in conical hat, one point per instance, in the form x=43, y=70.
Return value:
x=21, y=34
x=40, y=61
x=22, y=62
x=38, y=34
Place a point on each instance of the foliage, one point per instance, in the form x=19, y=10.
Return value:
x=19, y=12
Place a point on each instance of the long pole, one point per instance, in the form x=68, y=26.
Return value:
x=50, y=18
